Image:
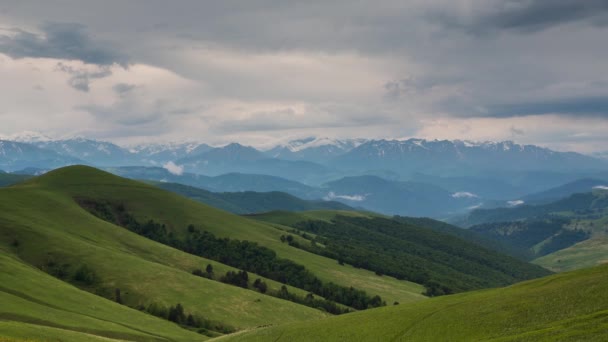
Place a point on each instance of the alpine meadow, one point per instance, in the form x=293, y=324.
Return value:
x=303, y=171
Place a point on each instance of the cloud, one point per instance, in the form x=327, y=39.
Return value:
x=590, y=106
x=515, y=203
x=464, y=194
x=123, y=88
x=256, y=71
x=68, y=41
x=355, y=198
x=173, y=168
x=525, y=16
x=516, y=131
x=81, y=78
x=600, y=187
x=476, y=206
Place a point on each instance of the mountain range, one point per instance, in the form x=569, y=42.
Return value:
x=414, y=177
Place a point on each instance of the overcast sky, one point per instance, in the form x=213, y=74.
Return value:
x=259, y=71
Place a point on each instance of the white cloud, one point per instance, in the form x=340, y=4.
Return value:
x=515, y=203
x=173, y=168
x=256, y=72
x=356, y=198
x=584, y=134
x=473, y=207
x=464, y=194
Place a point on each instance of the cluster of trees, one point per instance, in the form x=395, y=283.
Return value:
x=244, y=255
x=443, y=264
x=207, y=274
x=83, y=275
x=310, y=300
x=240, y=278
x=177, y=314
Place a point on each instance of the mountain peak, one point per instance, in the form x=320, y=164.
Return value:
x=27, y=137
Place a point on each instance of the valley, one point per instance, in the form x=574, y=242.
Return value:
x=184, y=256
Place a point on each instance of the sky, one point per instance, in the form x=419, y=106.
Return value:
x=263, y=71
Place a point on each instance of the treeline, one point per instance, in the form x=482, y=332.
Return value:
x=527, y=234
x=443, y=264
x=245, y=255
x=85, y=277
x=241, y=279
x=176, y=313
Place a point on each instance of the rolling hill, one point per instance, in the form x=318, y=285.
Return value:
x=133, y=244
x=564, y=307
x=45, y=228
x=563, y=235
x=443, y=263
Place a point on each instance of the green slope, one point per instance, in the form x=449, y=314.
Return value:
x=564, y=307
x=36, y=305
x=148, y=202
x=588, y=253
x=48, y=226
x=43, y=225
x=443, y=263
x=246, y=202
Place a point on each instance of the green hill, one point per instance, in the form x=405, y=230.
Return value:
x=44, y=226
x=59, y=311
x=563, y=307
x=443, y=263
x=563, y=235
x=248, y=202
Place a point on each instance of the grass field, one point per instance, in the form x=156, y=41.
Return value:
x=564, y=307
x=51, y=227
x=36, y=305
x=147, y=202
x=43, y=225
x=588, y=253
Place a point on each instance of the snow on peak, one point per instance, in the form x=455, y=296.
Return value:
x=312, y=142
x=27, y=137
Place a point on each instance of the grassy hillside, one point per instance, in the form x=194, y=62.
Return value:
x=247, y=202
x=588, y=253
x=563, y=235
x=564, y=307
x=44, y=226
x=443, y=263
x=60, y=311
x=147, y=202
x=47, y=229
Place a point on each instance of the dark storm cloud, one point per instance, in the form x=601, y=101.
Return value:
x=586, y=106
x=527, y=15
x=62, y=41
x=80, y=79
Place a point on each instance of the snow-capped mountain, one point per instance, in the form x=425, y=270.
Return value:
x=159, y=154
x=95, y=152
x=246, y=159
x=314, y=149
x=460, y=157
x=15, y=156
x=26, y=137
